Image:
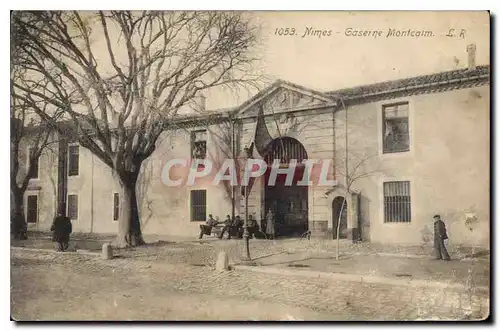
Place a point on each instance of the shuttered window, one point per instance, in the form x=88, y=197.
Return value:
x=73, y=206
x=116, y=206
x=198, y=205
x=34, y=169
x=73, y=160
x=32, y=209
x=397, y=202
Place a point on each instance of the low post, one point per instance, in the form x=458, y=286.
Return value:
x=107, y=251
x=246, y=234
x=222, y=263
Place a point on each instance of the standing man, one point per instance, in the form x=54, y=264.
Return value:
x=270, y=232
x=61, y=228
x=439, y=237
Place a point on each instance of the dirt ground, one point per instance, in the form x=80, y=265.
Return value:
x=61, y=286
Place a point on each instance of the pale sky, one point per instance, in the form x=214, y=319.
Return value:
x=339, y=61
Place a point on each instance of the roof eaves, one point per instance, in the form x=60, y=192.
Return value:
x=413, y=83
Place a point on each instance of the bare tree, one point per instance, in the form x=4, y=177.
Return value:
x=351, y=176
x=353, y=162
x=27, y=142
x=229, y=142
x=121, y=94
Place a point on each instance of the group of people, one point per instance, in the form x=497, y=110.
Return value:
x=61, y=229
x=234, y=226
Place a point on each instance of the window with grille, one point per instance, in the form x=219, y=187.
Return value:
x=32, y=209
x=397, y=202
x=396, y=128
x=116, y=206
x=34, y=170
x=199, y=144
x=73, y=160
x=198, y=205
x=73, y=206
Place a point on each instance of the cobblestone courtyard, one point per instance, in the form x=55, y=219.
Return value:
x=178, y=282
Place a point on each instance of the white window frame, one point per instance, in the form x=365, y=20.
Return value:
x=77, y=205
x=413, y=201
x=411, y=127
x=68, y=160
x=191, y=141
x=410, y=196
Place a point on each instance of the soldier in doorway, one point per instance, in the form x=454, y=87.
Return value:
x=61, y=228
x=270, y=223
x=440, y=236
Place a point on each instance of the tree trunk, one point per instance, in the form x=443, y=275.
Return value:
x=129, y=225
x=338, y=226
x=18, y=222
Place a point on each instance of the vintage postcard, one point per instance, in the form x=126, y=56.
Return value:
x=256, y=166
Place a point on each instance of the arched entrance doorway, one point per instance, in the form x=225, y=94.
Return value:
x=289, y=203
x=336, y=210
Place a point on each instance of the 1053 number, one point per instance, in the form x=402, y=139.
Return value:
x=284, y=32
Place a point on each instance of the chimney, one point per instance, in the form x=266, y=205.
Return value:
x=471, y=51
x=200, y=102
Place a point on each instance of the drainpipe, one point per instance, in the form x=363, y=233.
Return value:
x=233, y=149
x=92, y=196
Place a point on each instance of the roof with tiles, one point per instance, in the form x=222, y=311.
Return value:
x=479, y=74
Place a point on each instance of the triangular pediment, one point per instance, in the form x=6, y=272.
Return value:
x=283, y=96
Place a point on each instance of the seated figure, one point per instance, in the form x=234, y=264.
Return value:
x=206, y=229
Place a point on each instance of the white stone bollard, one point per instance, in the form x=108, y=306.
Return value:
x=107, y=251
x=222, y=263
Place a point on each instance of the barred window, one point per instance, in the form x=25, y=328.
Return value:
x=73, y=206
x=34, y=170
x=198, y=205
x=73, y=160
x=116, y=206
x=397, y=202
x=396, y=128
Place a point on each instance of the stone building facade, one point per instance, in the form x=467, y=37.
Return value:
x=406, y=149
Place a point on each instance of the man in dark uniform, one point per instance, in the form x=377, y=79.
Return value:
x=439, y=237
x=238, y=227
x=61, y=228
x=252, y=226
x=227, y=227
